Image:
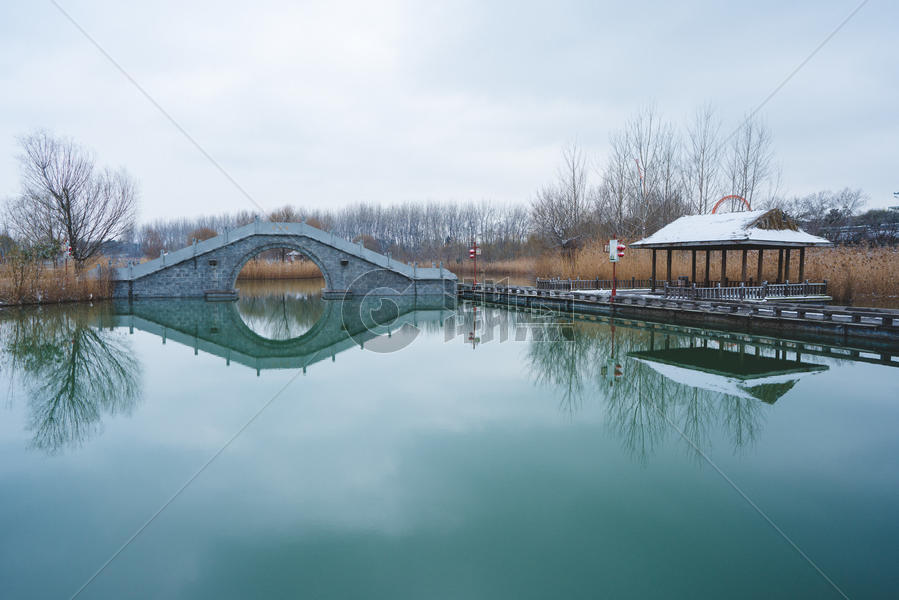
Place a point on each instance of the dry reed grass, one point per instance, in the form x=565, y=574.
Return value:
x=854, y=274
x=265, y=269
x=52, y=285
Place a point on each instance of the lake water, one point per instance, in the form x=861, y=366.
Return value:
x=266, y=448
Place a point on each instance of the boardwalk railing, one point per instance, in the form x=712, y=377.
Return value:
x=568, y=285
x=745, y=292
x=842, y=315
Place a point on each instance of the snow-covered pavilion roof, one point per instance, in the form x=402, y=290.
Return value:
x=754, y=228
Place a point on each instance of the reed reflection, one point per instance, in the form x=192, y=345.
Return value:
x=281, y=310
x=72, y=371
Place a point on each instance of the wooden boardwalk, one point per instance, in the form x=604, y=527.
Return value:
x=814, y=322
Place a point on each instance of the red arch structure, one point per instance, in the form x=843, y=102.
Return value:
x=731, y=197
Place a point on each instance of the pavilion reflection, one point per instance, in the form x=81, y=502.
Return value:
x=654, y=386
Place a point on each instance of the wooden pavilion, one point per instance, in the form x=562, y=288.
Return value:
x=758, y=230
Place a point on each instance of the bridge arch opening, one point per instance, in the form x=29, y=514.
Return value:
x=278, y=262
x=280, y=291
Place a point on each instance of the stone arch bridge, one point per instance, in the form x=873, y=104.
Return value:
x=213, y=265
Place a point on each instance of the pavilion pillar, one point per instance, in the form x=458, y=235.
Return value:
x=759, y=271
x=668, y=266
x=780, y=265
x=802, y=264
x=723, y=268
x=787, y=266
x=693, y=266
x=743, y=269
x=708, y=261
x=652, y=283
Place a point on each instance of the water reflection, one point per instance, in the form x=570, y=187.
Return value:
x=72, y=370
x=652, y=381
x=219, y=328
x=281, y=310
x=687, y=387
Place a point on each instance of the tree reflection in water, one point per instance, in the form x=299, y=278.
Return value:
x=73, y=373
x=644, y=406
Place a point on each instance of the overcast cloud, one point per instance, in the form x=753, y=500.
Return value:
x=326, y=104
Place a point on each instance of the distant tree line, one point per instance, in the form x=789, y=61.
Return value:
x=433, y=230
x=654, y=172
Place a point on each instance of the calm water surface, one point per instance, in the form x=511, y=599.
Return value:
x=483, y=454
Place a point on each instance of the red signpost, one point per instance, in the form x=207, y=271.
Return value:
x=616, y=253
x=473, y=255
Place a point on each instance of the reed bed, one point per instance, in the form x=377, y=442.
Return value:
x=276, y=269
x=855, y=275
x=52, y=285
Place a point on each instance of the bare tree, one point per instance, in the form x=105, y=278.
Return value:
x=701, y=159
x=824, y=210
x=750, y=160
x=559, y=212
x=642, y=182
x=201, y=233
x=81, y=204
x=151, y=242
x=614, y=199
x=30, y=220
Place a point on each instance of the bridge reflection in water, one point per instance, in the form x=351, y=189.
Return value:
x=218, y=328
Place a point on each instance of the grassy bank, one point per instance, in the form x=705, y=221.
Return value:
x=856, y=275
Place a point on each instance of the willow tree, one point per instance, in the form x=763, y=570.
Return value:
x=79, y=203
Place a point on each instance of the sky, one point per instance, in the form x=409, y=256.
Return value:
x=326, y=104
